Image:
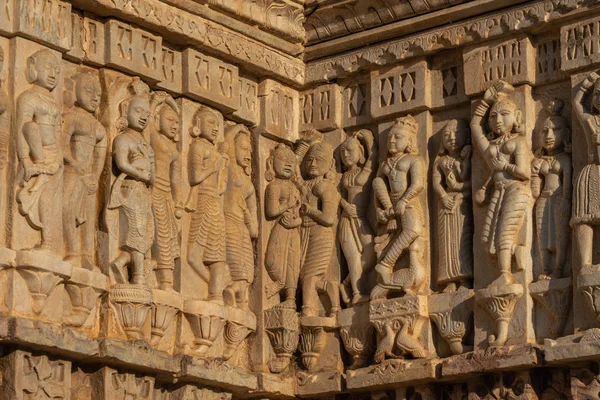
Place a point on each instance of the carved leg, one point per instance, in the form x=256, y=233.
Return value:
x=194, y=259
x=584, y=235
x=309, y=296
x=138, y=276
x=164, y=277
x=219, y=277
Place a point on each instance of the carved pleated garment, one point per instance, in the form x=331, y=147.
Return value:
x=317, y=248
x=167, y=245
x=455, y=241
x=206, y=228
x=137, y=208
x=506, y=213
x=586, y=196
x=240, y=253
x=282, y=260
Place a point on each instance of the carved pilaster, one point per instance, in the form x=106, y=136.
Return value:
x=282, y=327
x=357, y=334
x=499, y=302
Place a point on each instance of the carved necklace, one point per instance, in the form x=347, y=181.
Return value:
x=391, y=164
x=351, y=175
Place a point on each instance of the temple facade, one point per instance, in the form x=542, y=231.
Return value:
x=316, y=199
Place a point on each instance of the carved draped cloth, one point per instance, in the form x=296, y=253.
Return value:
x=167, y=245
x=586, y=196
x=206, y=227
x=317, y=244
x=505, y=216
x=240, y=253
x=455, y=240
x=282, y=260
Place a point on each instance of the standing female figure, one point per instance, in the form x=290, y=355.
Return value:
x=452, y=186
x=358, y=153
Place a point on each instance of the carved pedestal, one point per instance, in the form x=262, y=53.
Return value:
x=313, y=339
x=84, y=288
x=589, y=286
x=130, y=305
x=165, y=308
x=208, y=320
x=283, y=328
x=499, y=302
x=451, y=313
x=553, y=300
x=357, y=334
x=402, y=328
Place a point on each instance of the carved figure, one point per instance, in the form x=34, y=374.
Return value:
x=134, y=158
x=39, y=150
x=509, y=158
x=400, y=180
x=4, y=106
x=551, y=186
x=586, y=196
x=167, y=202
x=452, y=186
x=208, y=169
x=320, y=201
x=282, y=202
x=241, y=219
x=358, y=153
x=84, y=144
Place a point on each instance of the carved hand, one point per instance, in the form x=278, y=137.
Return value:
x=448, y=202
x=400, y=207
x=498, y=163
x=381, y=216
x=590, y=80
x=536, y=166
x=350, y=211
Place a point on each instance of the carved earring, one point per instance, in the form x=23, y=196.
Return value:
x=269, y=173
x=195, y=131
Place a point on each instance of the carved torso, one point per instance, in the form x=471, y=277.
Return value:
x=84, y=132
x=165, y=153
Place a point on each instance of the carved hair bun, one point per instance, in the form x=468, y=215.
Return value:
x=555, y=106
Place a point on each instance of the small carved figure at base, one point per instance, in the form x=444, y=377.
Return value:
x=400, y=181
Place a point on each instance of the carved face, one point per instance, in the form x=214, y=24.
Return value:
x=284, y=164
x=47, y=71
x=350, y=152
x=209, y=127
x=504, y=116
x=168, y=123
x=553, y=134
x=138, y=113
x=453, y=137
x=399, y=140
x=317, y=161
x=243, y=151
x=88, y=92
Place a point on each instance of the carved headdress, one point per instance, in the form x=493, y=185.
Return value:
x=137, y=89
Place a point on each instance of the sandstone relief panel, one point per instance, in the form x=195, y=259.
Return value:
x=177, y=224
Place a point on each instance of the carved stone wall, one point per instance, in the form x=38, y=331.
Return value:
x=318, y=199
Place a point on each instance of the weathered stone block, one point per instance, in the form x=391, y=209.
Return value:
x=211, y=80
x=279, y=110
x=356, y=101
x=580, y=44
x=248, y=110
x=133, y=50
x=88, y=40
x=510, y=60
x=400, y=89
x=321, y=108
x=45, y=21
x=172, y=70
